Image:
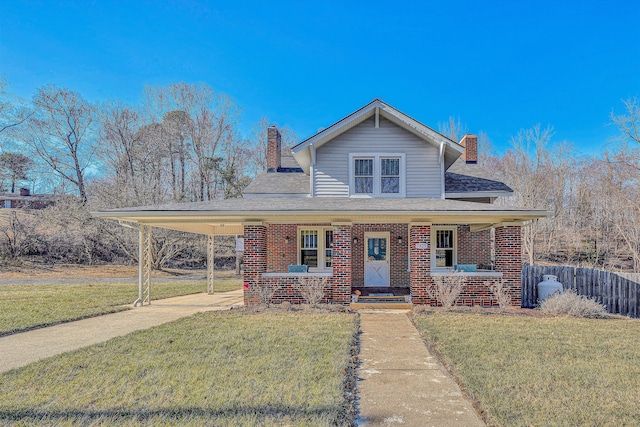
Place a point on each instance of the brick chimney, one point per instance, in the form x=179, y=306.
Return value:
x=274, y=149
x=25, y=192
x=470, y=144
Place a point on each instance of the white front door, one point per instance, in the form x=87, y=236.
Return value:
x=376, y=259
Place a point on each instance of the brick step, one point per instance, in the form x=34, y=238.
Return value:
x=381, y=305
x=382, y=297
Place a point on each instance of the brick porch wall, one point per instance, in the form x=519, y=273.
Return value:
x=266, y=249
x=287, y=290
x=420, y=263
x=255, y=260
x=281, y=254
x=341, y=282
x=398, y=252
x=509, y=261
x=474, y=248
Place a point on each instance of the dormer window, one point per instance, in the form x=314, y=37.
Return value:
x=377, y=175
x=363, y=179
x=390, y=175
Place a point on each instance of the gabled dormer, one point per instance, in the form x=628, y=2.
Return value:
x=376, y=152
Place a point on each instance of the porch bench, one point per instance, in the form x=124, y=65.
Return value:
x=293, y=268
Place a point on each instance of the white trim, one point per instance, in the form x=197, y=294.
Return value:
x=377, y=235
x=317, y=273
x=442, y=183
x=377, y=157
x=312, y=170
x=321, y=249
x=434, y=232
x=441, y=273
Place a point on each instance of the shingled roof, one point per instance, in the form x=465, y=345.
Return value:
x=462, y=177
x=289, y=180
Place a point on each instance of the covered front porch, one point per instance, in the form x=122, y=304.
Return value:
x=351, y=244
x=381, y=260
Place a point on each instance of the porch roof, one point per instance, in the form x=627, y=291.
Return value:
x=229, y=216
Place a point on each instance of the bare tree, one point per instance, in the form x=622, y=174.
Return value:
x=453, y=129
x=120, y=148
x=231, y=167
x=15, y=167
x=540, y=180
x=196, y=122
x=623, y=179
x=213, y=129
x=62, y=134
x=176, y=125
x=629, y=122
x=11, y=114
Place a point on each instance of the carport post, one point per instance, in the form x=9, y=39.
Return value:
x=144, y=266
x=140, y=238
x=210, y=262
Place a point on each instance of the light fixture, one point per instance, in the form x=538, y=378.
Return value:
x=286, y=239
x=355, y=240
x=400, y=238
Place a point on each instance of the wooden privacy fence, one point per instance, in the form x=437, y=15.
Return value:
x=618, y=294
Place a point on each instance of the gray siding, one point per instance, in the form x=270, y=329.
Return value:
x=332, y=168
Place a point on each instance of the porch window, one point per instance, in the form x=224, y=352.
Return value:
x=379, y=175
x=316, y=248
x=443, y=242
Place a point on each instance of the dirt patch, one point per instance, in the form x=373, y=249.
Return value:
x=64, y=271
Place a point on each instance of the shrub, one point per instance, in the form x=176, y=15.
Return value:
x=447, y=289
x=265, y=293
x=500, y=294
x=571, y=304
x=312, y=288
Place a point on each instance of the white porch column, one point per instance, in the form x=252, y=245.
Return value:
x=210, y=263
x=144, y=266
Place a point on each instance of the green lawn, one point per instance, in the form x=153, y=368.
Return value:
x=211, y=369
x=528, y=371
x=24, y=307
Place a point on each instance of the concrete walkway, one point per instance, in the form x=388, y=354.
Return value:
x=21, y=349
x=401, y=383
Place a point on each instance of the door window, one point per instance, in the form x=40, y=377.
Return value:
x=376, y=249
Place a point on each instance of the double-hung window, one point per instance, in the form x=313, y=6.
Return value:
x=363, y=176
x=316, y=248
x=378, y=175
x=443, y=244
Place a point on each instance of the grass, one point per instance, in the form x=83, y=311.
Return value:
x=24, y=307
x=213, y=369
x=528, y=371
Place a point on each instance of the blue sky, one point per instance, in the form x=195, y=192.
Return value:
x=498, y=65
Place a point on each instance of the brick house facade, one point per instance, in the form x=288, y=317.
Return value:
x=376, y=202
